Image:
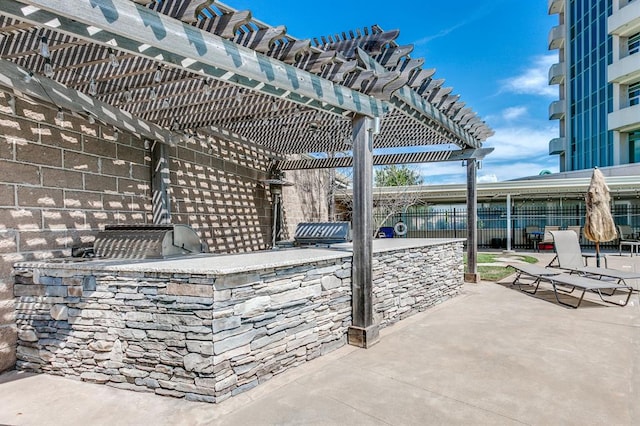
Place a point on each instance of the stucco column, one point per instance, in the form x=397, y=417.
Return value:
x=363, y=332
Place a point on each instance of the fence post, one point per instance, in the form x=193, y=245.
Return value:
x=508, y=222
x=455, y=228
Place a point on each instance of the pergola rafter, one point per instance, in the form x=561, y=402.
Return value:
x=56, y=95
x=327, y=76
x=387, y=159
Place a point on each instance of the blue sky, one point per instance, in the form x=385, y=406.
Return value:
x=492, y=52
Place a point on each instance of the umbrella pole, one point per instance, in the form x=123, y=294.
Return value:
x=597, y=254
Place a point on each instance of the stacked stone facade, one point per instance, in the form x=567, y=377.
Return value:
x=204, y=336
x=408, y=282
x=195, y=336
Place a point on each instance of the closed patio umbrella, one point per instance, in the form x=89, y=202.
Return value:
x=599, y=225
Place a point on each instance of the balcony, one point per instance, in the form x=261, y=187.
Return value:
x=624, y=71
x=625, y=119
x=557, y=146
x=557, y=73
x=556, y=6
x=626, y=21
x=556, y=37
x=557, y=110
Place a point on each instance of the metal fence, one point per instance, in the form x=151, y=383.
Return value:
x=492, y=223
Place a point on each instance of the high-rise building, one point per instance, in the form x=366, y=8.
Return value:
x=598, y=74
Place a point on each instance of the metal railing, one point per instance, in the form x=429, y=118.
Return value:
x=492, y=223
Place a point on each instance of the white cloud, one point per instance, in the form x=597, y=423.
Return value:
x=487, y=178
x=471, y=16
x=491, y=171
x=521, y=143
x=512, y=170
x=443, y=173
x=514, y=113
x=519, y=151
x=442, y=33
x=534, y=80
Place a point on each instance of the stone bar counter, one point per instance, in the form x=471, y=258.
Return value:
x=207, y=327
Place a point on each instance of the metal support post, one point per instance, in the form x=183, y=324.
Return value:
x=363, y=332
x=472, y=223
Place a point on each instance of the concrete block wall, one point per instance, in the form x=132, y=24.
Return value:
x=60, y=183
x=216, y=188
x=306, y=200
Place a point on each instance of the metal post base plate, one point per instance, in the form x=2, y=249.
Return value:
x=363, y=337
x=471, y=278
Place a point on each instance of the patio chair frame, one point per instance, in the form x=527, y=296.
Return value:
x=561, y=279
x=626, y=237
x=568, y=254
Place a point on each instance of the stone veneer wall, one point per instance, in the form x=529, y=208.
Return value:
x=406, y=282
x=206, y=338
x=182, y=335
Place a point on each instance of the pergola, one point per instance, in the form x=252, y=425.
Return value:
x=171, y=69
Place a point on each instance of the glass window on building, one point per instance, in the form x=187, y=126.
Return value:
x=634, y=94
x=634, y=44
x=590, y=95
x=634, y=147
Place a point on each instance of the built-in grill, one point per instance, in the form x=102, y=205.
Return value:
x=147, y=242
x=322, y=233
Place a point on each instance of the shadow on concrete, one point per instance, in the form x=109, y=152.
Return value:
x=547, y=295
x=13, y=375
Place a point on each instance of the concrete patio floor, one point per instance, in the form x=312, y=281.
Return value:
x=492, y=356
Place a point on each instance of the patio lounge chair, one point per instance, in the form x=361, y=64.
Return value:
x=569, y=257
x=533, y=236
x=626, y=238
x=585, y=256
x=557, y=278
x=577, y=229
x=547, y=239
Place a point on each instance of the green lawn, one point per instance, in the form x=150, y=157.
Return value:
x=496, y=273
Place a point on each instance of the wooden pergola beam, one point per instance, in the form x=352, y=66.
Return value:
x=419, y=108
x=12, y=79
x=189, y=48
x=387, y=159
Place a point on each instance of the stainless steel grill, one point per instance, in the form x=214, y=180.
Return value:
x=325, y=233
x=147, y=242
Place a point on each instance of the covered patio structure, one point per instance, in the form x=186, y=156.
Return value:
x=177, y=70
x=198, y=68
